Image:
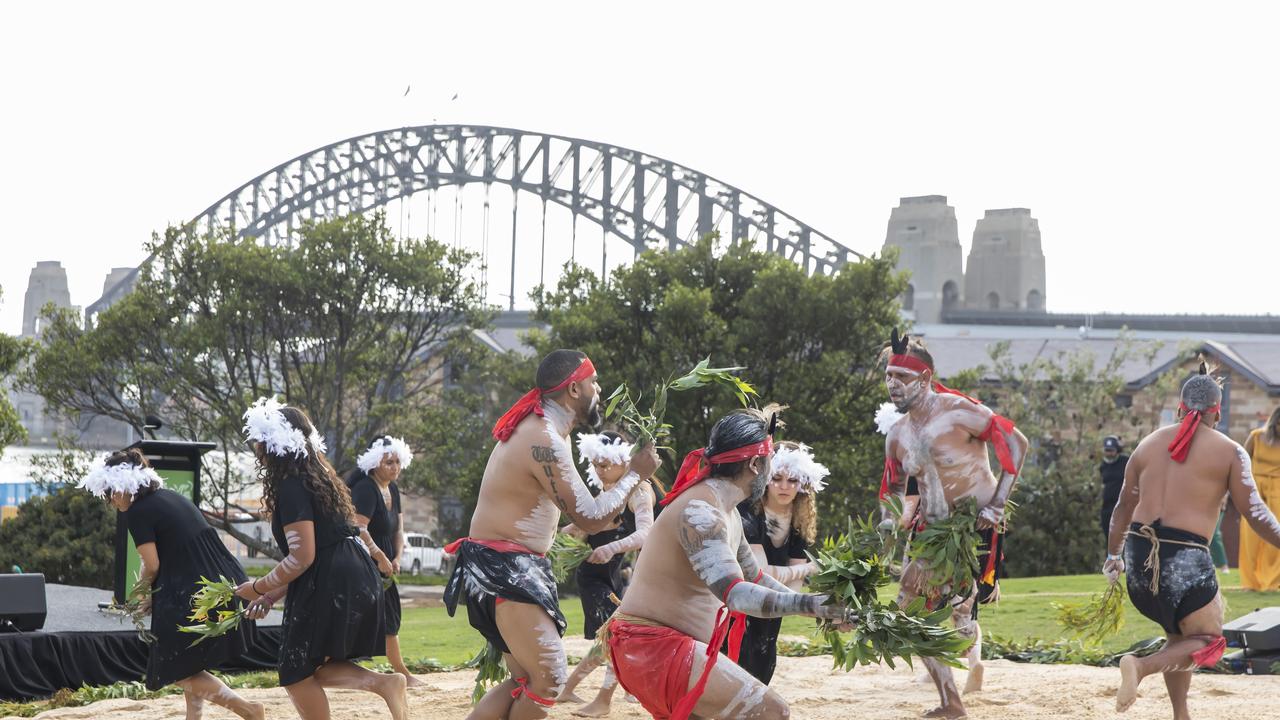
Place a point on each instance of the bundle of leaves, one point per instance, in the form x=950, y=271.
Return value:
x=215, y=609
x=1098, y=619
x=136, y=607
x=489, y=670
x=948, y=547
x=851, y=570
x=1062, y=651
x=650, y=427
x=567, y=553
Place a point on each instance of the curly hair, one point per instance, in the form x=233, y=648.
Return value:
x=318, y=476
x=804, y=507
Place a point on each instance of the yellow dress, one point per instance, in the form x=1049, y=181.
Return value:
x=1259, y=560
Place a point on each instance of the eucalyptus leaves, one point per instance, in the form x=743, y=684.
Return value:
x=137, y=606
x=649, y=428
x=214, y=609
x=852, y=569
x=948, y=547
x=1099, y=618
x=567, y=552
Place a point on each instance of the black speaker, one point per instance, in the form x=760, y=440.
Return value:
x=1257, y=632
x=22, y=603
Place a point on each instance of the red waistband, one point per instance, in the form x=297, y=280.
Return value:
x=503, y=546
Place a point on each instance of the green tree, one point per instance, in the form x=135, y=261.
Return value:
x=68, y=535
x=13, y=351
x=1066, y=405
x=807, y=341
x=351, y=324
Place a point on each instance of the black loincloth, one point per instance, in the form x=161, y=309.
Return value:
x=483, y=575
x=1188, y=578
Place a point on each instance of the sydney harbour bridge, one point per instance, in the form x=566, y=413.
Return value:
x=634, y=200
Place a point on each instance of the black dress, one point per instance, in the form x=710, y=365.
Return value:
x=334, y=609
x=759, y=654
x=384, y=527
x=188, y=550
x=596, y=581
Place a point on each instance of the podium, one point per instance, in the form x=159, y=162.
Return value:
x=179, y=463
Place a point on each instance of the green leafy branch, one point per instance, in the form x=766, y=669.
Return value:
x=215, y=610
x=567, y=552
x=137, y=606
x=650, y=427
x=1099, y=618
x=948, y=548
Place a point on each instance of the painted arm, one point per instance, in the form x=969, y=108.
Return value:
x=985, y=425
x=1244, y=495
x=704, y=535
x=641, y=503
x=562, y=483
x=379, y=557
x=573, y=531
x=1121, y=516
x=301, y=537
x=788, y=575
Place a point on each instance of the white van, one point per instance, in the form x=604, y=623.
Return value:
x=422, y=555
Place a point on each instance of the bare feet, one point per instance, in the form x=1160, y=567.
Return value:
x=571, y=697
x=597, y=709
x=412, y=681
x=973, y=683
x=948, y=712
x=392, y=689
x=255, y=711
x=1129, y=680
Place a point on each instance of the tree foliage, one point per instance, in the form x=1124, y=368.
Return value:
x=1066, y=405
x=353, y=325
x=68, y=535
x=807, y=341
x=13, y=351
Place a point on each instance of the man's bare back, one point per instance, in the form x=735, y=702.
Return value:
x=1186, y=495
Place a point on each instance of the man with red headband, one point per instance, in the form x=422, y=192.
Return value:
x=502, y=573
x=940, y=444
x=1173, y=489
x=694, y=580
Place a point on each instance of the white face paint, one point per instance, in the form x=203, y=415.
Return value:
x=905, y=387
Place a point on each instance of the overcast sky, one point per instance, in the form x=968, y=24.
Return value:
x=1143, y=136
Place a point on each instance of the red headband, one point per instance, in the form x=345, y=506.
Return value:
x=693, y=470
x=531, y=402
x=1181, y=444
x=908, y=362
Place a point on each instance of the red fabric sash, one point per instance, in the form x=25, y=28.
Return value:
x=697, y=466
x=502, y=546
x=531, y=402
x=890, y=476
x=995, y=434
x=1181, y=444
x=1209, y=655
x=728, y=624
x=522, y=688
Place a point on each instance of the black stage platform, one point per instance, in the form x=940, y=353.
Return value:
x=81, y=645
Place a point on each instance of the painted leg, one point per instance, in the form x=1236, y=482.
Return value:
x=1198, y=629
x=202, y=686
x=349, y=676
x=593, y=660
x=397, y=662
x=599, y=707
x=968, y=627
x=913, y=580
x=536, y=646
x=309, y=699
x=732, y=693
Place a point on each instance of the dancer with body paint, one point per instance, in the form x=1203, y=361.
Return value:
x=600, y=576
x=177, y=548
x=780, y=527
x=502, y=574
x=695, y=581
x=940, y=442
x=1173, y=489
x=331, y=588
x=376, y=499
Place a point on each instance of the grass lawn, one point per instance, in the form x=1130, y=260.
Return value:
x=1022, y=613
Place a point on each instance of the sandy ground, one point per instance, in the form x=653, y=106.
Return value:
x=1013, y=692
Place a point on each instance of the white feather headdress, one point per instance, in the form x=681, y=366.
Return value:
x=593, y=447
x=123, y=478
x=798, y=463
x=265, y=423
x=886, y=417
x=383, y=446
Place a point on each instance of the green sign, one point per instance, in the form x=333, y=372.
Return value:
x=178, y=481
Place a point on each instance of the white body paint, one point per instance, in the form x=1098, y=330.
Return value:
x=1258, y=509
x=593, y=508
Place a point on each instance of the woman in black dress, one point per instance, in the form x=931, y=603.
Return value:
x=177, y=548
x=376, y=498
x=332, y=590
x=599, y=578
x=779, y=528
